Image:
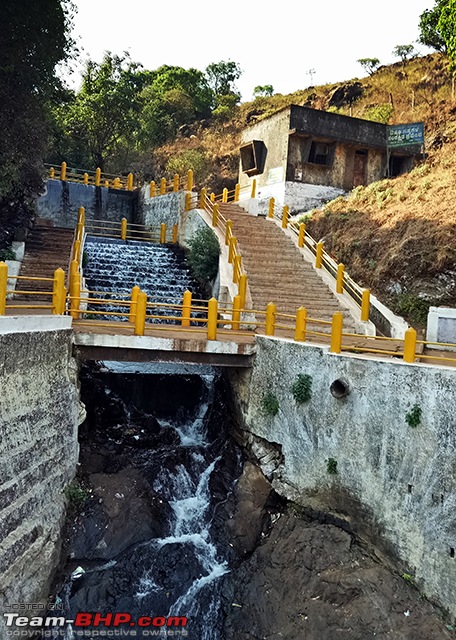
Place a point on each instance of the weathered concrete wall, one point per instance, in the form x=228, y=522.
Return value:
x=61, y=200
x=395, y=484
x=40, y=413
x=274, y=133
x=166, y=208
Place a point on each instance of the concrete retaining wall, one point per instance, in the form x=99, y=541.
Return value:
x=40, y=413
x=395, y=483
x=61, y=200
x=166, y=208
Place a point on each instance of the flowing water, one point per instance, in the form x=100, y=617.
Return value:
x=159, y=466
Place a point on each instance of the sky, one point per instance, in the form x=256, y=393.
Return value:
x=276, y=42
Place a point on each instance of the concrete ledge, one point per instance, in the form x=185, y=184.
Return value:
x=26, y=324
x=441, y=327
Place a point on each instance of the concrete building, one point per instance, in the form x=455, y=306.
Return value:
x=304, y=157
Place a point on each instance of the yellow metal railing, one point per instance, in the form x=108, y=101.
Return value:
x=138, y=314
x=178, y=183
x=96, y=178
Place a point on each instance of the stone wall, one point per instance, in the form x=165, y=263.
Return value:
x=40, y=413
x=61, y=200
x=396, y=482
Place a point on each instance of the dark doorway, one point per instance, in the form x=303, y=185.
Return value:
x=360, y=168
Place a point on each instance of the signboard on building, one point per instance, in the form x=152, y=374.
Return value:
x=405, y=135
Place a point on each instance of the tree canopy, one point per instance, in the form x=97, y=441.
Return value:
x=430, y=33
x=446, y=26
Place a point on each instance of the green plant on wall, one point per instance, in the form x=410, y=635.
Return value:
x=7, y=254
x=331, y=466
x=270, y=404
x=413, y=417
x=76, y=494
x=302, y=388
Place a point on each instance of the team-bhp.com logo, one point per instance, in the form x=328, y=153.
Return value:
x=113, y=624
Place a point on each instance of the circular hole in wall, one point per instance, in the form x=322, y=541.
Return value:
x=339, y=388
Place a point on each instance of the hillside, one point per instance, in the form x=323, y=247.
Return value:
x=397, y=236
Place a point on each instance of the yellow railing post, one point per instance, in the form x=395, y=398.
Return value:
x=141, y=309
x=52, y=173
x=340, y=278
x=81, y=215
x=85, y=178
x=175, y=233
x=212, y=313
x=319, y=255
x=106, y=184
x=134, y=302
x=58, y=292
x=3, y=287
x=97, y=177
x=116, y=183
x=123, y=229
x=130, y=182
x=186, y=308
x=336, y=332
x=74, y=271
x=80, y=231
x=163, y=233
x=237, y=268
x=285, y=213
x=77, y=251
x=237, y=191
x=176, y=182
x=302, y=235
x=163, y=186
x=212, y=197
x=228, y=231
x=270, y=319
x=365, y=305
x=253, y=192
x=215, y=215
x=301, y=324
x=75, y=296
x=225, y=195
x=242, y=289
x=188, y=201
x=236, y=313
x=409, y=345
x=232, y=249
x=152, y=189
x=202, y=201
x=63, y=171
x=189, y=180
x=271, y=208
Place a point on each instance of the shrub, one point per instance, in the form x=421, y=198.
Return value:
x=380, y=113
x=270, y=404
x=190, y=159
x=302, y=388
x=413, y=307
x=76, y=494
x=7, y=254
x=413, y=417
x=204, y=254
x=331, y=466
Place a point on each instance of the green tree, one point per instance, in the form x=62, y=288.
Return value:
x=430, y=33
x=222, y=76
x=369, y=64
x=173, y=97
x=447, y=28
x=404, y=52
x=33, y=40
x=265, y=90
x=106, y=109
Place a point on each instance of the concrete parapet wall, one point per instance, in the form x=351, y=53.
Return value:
x=166, y=208
x=40, y=413
x=395, y=483
x=61, y=200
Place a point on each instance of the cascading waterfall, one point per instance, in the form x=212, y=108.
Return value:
x=179, y=456
x=115, y=266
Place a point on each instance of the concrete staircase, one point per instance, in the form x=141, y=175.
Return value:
x=277, y=272
x=46, y=249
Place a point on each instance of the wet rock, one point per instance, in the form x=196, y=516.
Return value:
x=123, y=511
x=250, y=518
x=310, y=580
